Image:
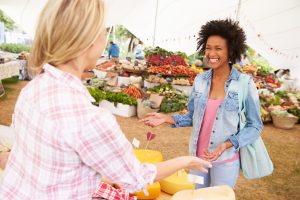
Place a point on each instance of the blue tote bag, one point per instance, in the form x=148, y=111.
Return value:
x=255, y=160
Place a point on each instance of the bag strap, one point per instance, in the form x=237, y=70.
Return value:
x=242, y=95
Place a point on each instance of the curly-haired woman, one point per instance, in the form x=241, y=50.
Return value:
x=64, y=144
x=214, y=105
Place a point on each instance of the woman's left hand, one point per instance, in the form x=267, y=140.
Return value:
x=212, y=156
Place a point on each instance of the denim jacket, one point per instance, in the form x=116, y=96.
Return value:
x=225, y=126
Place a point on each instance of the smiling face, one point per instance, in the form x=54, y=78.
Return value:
x=216, y=52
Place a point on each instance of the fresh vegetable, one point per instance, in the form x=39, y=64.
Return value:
x=133, y=91
x=120, y=97
x=173, y=101
x=296, y=112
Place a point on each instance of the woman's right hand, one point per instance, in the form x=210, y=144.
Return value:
x=195, y=163
x=155, y=119
x=169, y=167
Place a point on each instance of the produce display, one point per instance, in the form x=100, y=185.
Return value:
x=168, y=74
x=173, y=101
x=158, y=56
x=156, y=79
x=135, y=67
x=110, y=96
x=174, y=71
x=278, y=101
x=159, y=60
x=133, y=91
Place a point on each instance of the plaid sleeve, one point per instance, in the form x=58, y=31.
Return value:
x=108, y=192
x=104, y=147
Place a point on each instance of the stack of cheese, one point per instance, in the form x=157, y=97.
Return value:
x=149, y=156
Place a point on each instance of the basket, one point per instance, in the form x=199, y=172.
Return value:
x=284, y=122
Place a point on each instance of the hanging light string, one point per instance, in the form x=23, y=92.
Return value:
x=267, y=45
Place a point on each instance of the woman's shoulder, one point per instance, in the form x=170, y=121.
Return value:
x=205, y=75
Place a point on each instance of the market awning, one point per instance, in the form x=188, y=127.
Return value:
x=272, y=26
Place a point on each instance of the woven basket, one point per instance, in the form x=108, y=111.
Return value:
x=284, y=122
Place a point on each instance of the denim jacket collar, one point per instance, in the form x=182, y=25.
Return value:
x=234, y=74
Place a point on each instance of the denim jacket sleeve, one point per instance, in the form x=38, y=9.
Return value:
x=186, y=119
x=254, y=125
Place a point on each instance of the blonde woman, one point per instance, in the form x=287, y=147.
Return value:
x=64, y=144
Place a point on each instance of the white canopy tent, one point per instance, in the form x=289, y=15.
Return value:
x=272, y=26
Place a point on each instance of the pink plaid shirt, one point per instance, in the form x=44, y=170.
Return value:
x=64, y=144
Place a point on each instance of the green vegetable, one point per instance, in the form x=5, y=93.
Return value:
x=276, y=101
x=113, y=97
x=296, y=112
x=282, y=94
x=172, y=105
x=173, y=101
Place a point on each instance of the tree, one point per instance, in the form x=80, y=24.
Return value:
x=8, y=22
x=121, y=31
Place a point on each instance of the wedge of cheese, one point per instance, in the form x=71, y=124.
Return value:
x=176, y=182
x=153, y=190
x=148, y=156
x=223, y=192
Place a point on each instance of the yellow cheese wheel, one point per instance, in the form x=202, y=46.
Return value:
x=223, y=192
x=176, y=182
x=148, y=156
x=153, y=190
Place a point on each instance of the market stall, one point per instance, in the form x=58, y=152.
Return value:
x=9, y=69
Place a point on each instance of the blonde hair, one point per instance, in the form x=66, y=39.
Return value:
x=66, y=29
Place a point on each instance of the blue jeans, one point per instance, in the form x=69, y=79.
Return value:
x=220, y=174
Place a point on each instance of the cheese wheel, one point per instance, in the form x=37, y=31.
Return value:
x=176, y=182
x=148, y=156
x=153, y=190
x=210, y=193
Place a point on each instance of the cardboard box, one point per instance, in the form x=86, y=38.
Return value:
x=120, y=110
x=123, y=80
x=186, y=90
x=150, y=85
x=99, y=74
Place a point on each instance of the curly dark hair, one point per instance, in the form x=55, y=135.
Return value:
x=227, y=29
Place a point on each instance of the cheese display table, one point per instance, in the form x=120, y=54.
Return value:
x=9, y=69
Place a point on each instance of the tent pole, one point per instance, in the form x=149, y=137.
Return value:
x=106, y=40
x=155, y=23
x=238, y=10
x=114, y=34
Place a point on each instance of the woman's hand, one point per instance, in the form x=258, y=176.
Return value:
x=169, y=167
x=212, y=156
x=154, y=119
x=195, y=163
